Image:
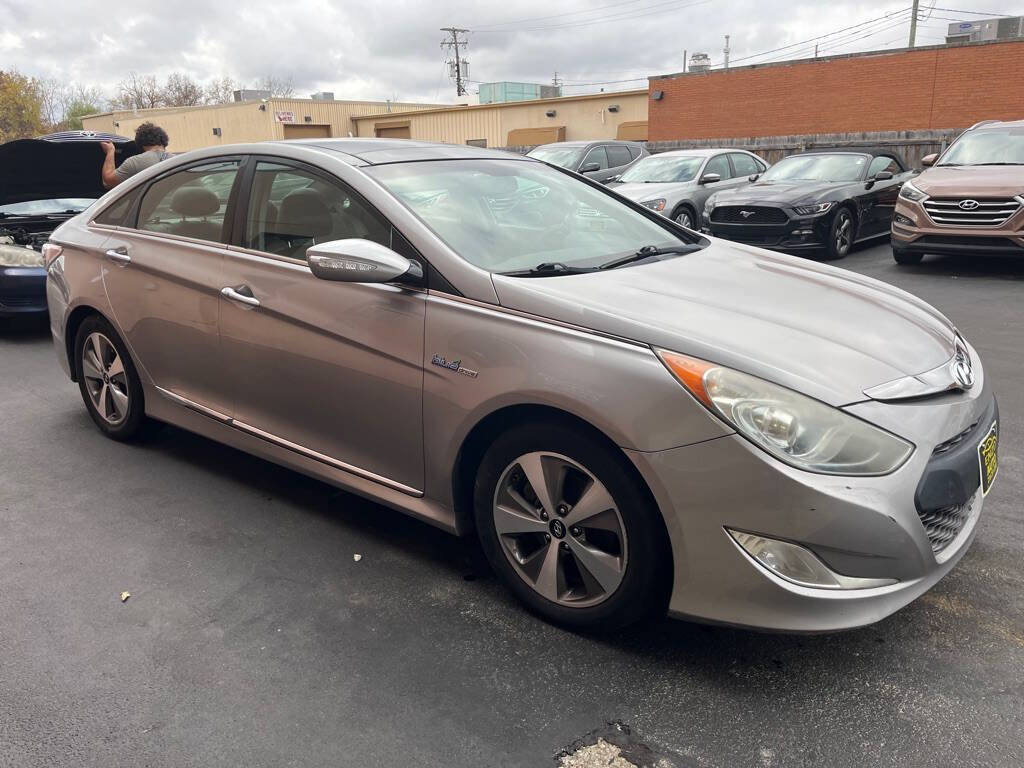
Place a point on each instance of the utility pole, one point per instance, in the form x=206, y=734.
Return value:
x=454, y=44
x=726, y=52
x=684, y=60
x=913, y=24
x=556, y=81
x=815, y=50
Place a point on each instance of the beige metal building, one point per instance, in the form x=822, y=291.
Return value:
x=621, y=115
x=194, y=127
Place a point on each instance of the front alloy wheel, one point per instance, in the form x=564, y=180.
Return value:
x=684, y=218
x=570, y=528
x=840, y=234
x=105, y=379
x=560, y=529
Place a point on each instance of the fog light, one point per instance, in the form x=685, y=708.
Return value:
x=899, y=218
x=802, y=232
x=798, y=564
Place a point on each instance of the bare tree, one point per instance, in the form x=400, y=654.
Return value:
x=138, y=92
x=182, y=91
x=221, y=90
x=281, y=87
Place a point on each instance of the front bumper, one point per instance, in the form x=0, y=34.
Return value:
x=22, y=291
x=795, y=235
x=863, y=527
x=913, y=231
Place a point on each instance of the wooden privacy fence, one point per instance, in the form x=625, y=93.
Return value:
x=911, y=146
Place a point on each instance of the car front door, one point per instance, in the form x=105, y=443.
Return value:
x=618, y=159
x=883, y=194
x=163, y=276
x=718, y=164
x=329, y=369
x=596, y=156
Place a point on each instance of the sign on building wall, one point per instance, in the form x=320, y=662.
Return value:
x=284, y=116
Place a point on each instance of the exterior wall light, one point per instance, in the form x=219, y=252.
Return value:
x=613, y=107
x=657, y=95
x=551, y=113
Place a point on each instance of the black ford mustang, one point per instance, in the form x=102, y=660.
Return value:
x=820, y=201
x=44, y=182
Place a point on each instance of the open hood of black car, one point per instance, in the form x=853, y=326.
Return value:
x=40, y=169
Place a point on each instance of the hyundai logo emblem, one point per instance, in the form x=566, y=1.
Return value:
x=962, y=367
x=969, y=205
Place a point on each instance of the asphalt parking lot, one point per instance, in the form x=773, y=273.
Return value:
x=254, y=637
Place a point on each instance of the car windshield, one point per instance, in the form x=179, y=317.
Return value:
x=513, y=215
x=823, y=167
x=563, y=157
x=40, y=207
x=988, y=147
x=663, y=168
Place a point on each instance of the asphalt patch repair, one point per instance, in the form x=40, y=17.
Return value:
x=615, y=746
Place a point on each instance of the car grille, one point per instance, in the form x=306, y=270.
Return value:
x=733, y=214
x=13, y=302
x=954, y=441
x=987, y=212
x=942, y=525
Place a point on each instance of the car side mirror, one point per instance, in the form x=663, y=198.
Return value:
x=616, y=177
x=883, y=175
x=929, y=160
x=753, y=177
x=358, y=261
x=590, y=167
x=710, y=178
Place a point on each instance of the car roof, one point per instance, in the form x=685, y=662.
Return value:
x=989, y=125
x=588, y=143
x=702, y=151
x=381, y=151
x=888, y=151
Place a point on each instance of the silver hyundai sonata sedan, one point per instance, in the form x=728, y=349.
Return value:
x=631, y=417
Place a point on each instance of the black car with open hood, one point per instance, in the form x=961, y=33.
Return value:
x=823, y=201
x=43, y=183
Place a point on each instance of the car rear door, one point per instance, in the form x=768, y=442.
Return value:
x=163, y=274
x=618, y=159
x=331, y=370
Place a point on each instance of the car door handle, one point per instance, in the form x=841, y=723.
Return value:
x=241, y=298
x=118, y=255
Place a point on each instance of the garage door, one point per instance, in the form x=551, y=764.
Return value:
x=396, y=129
x=307, y=131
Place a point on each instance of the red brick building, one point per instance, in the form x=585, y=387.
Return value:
x=936, y=87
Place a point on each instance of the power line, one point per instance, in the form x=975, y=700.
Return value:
x=650, y=10
x=971, y=13
x=555, y=15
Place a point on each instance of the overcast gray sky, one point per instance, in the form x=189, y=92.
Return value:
x=377, y=50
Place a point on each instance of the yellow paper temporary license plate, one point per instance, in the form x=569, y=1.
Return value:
x=988, y=458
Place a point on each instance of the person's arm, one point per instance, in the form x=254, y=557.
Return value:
x=108, y=174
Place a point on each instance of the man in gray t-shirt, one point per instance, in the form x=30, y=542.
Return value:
x=153, y=141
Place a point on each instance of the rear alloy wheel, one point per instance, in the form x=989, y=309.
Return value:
x=108, y=381
x=840, y=238
x=684, y=217
x=568, y=529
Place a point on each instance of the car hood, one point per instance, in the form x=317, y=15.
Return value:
x=33, y=169
x=972, y=181
x=779, y=192
x=820, y=330
x=639, y=191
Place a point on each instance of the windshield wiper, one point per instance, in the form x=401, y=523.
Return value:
x=649, y=251
x=548, y=269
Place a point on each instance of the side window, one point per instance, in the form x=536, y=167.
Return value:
x=884, y=163
x=634, y=151
x=191, y=203
x=719, y=164
x=596, y=155
x=618, y=155
x=744, y=165
x=291, y=209
x=116, y=215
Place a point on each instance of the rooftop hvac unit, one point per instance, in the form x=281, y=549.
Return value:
x=700, y=62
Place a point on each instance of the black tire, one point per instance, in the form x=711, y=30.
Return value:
x=133, y=422
x=843, y=223
x=906, y=258
x=645, y=582
x=685, y=209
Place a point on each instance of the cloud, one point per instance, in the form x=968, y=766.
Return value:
x=391, y=50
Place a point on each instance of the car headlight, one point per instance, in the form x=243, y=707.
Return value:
x=802, y=432
x=19, y=256
x=654, y=205
x=709, y=205
x=909, y=192
x=811, y=210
